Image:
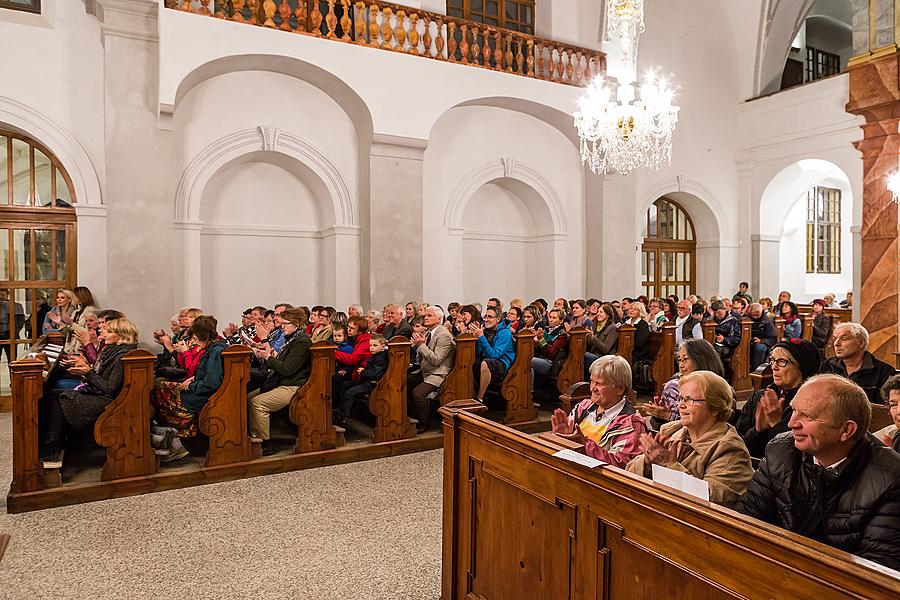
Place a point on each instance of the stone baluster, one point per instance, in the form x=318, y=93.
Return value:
x=346, y=21
x=529, y=60
x=427, y=39
x=520, y=58
x=498, y=50
x=204, y=8
x=509, y=53
x=561, y=65
x=361, y=23
x=300, y=15
x=579, y=71
x=315, y=19
x=284, y=11
x=269, y=10
x=387, y=32
x=221, y=9
x=253, y=7
x=570, y=67
x=476, y=54
x=439, y=39
x=187, y=6
x=238, y=11
x=414, y=34
x=451, y=41
x=487, y=52
x=331, y=21
x=552, y=65
x=374, y=30
x=400, y=31
x=464, y=43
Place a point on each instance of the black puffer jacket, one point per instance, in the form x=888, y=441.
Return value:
x=856, y=510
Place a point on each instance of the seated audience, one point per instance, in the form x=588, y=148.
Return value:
x=288, y=371
x=467, y=317
x=762, y=336
x=72, y=410
x=793, y=324
x=701, y=442
x=269, y=331
x=410, y=312
x=354, y=310
x=60, y=316
x=728, y=329
x=784, y=296
x=847, y=302
x=687, y=326
x=495, y=351
x=821, y=324
x=739, y=308
x=853, y=360
x=603, y=338
x=339, y=337
x=593, y=308
x=656, y=316
x=84, y=310
x=359, y=386
x=313, y=320
x=515, y=319
x=828, y=299
x=637, y=318
x=549, y=344
x=434, y=352
x=606, y=423
x=396, y=324
x=532, y=317
x=828, y=478
x=890, y=393
x=358, y=335
x=695, y=354
x=322, y=331
x=178, y=404
x=579, y=316
x=91, y=351
x=767, y=412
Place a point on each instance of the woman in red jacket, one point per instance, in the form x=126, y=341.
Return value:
x=358, y=335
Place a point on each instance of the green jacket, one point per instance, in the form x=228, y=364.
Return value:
x=293, y=363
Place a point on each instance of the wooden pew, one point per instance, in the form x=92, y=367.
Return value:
x=575, y=394
x=26, y=383
x=224, y=418
x=459, y=383
x=662, y=349
x=311, y=406
x=625, y=347
x=521, y=523
x=388, y=399
x=740, y=363
x=709, y=330
x=572, y=370
x=124, y=427
x=517, y=383
x=807, y=330
x=778, y=322
x=881, y=417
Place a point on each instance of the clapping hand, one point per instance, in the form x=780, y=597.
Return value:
x=475, y=330
x=417, y=339
x=657, y=449
x=83, y=336
x=180, y=346
x=54, y=317
x=567, y=326
x=563, y=425
x=262, y=330
x=769, y=410
x=657, y=408
x=263, y=352
x=230, y=330
x=77, y=365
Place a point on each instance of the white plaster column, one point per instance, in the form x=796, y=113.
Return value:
x=92, y=249
x=340, y=253
x=593, y=234
x=395, y=219
x=766, y=264
x=620, y=243
x=188, y=271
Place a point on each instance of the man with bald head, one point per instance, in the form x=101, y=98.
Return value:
x=828, y=478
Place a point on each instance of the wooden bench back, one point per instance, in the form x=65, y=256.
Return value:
x=388, y=399
x=625, y=348
x=27, y=385
x=458, y=385
x=662, y=349
x=881, y=417
x=709, y=330
x=124, y=427
x=522, y=523
x=778, y=322
x=740, y=363
x=311, y=406
x=224, y=418
x=517, y=383
x=572, y=370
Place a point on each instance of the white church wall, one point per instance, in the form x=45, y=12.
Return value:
x=464, y=154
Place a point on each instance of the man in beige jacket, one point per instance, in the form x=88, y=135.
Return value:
x=436, y=350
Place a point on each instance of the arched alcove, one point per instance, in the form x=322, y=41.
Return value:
x=783, y=216
x=508, y=243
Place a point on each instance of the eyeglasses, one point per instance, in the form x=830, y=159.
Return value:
x=782, y=362
x=682, y=359
x=688, y=401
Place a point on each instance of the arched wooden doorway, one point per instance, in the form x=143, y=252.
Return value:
x=37, y=237
x=669, y=251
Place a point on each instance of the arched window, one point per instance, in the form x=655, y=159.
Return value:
x=37, y=237
x=669, y=252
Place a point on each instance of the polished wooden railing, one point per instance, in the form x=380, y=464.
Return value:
x=421, y=33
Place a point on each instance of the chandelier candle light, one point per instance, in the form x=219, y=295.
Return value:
x=624, y=126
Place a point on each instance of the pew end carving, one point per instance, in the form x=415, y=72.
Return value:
x=458, y=385
x=740, y=363
x=26, y=382
x=311, y=406
x=388, y=399
x=575, y=394
x=517, y=383
x=224, y=418
x=572, y=370
x=124, y=427
x=625, y=347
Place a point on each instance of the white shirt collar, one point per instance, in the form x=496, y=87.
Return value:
x=613, y=411
x=835, y=468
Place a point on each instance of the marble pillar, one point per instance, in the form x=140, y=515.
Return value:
x=875, y=94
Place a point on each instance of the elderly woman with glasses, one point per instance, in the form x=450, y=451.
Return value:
x=701, y=442
x=767, y=412
x=606, y=423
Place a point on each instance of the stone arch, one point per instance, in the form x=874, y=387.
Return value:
x=778, y=26
x=507, y=168
x=556, y=118
x=215, y=156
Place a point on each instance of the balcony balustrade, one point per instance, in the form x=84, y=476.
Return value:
x=421, y=33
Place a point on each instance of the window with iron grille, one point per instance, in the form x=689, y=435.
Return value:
x=821, y=64
x=517, y=15
x=823, y=230
x=24, y=5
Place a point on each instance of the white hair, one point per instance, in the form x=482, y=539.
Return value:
x=437, y=311
x=857, y=330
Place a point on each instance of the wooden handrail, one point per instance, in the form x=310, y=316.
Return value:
x=404, y=29
x=224, y=418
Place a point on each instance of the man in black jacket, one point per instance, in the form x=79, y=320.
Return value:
x=853, y=361
x=762, y=335
x=396, y=324
x=828, y=478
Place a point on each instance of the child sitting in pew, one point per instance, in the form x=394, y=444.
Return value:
x=363, y=380
x=339, y=337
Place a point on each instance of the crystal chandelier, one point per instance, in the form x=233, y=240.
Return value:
x=624, y=126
